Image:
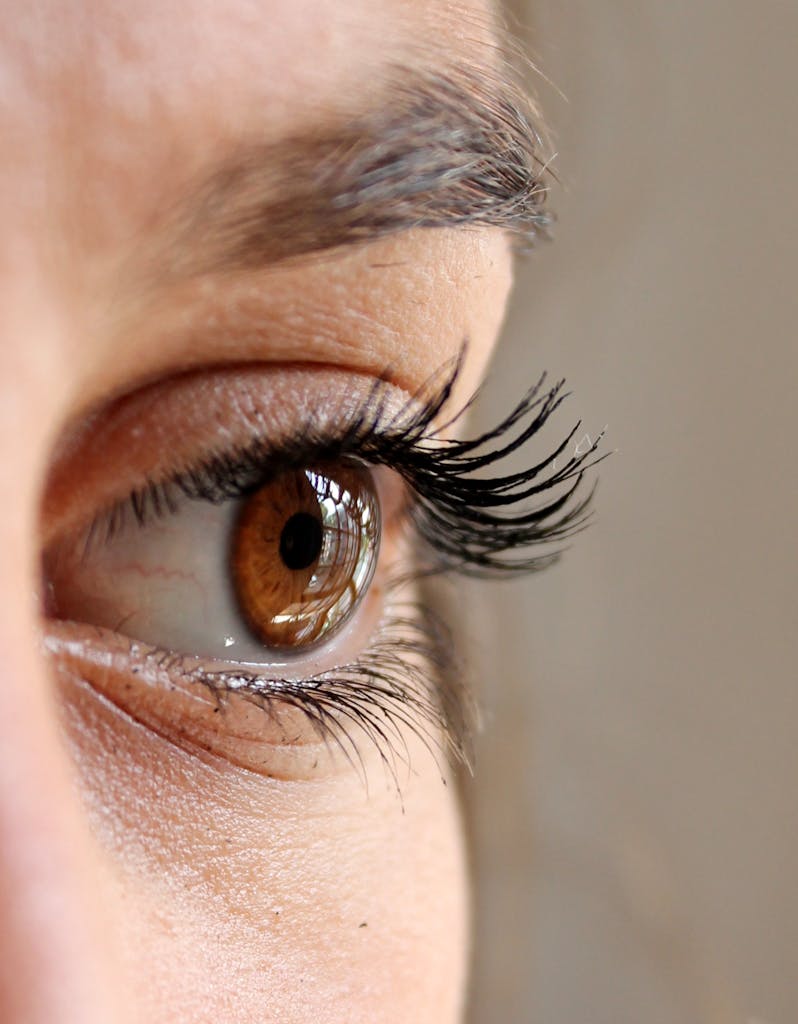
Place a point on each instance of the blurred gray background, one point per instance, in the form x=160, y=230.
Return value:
x=636, y=806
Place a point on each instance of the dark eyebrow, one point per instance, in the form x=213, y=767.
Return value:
x=457, y=147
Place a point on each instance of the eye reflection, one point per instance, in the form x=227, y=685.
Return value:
x=304, y=551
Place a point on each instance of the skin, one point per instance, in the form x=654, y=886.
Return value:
x=140, y=879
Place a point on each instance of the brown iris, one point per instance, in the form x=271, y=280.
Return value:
x=304, y=551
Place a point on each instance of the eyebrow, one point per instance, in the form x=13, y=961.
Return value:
x=446, y=149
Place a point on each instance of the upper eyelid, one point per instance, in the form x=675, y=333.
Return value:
x=462, y=516
x=151, y=434
x=228, y=473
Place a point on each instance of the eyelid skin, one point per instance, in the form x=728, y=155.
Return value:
x=152, y=433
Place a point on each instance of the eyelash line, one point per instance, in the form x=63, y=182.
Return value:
x=409, y=677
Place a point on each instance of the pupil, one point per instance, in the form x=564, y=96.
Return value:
x=300, y=541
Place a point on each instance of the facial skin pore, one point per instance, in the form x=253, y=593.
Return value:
x=140, y=881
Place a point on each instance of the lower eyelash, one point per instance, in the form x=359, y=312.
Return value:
x=406, y=681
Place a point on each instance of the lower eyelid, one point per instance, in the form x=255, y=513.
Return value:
x=192, y=702
x=377, y=710
x=272, y=738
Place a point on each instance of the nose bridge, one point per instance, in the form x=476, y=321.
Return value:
x=52, y=968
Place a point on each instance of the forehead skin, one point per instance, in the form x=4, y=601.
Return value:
x=177, y=892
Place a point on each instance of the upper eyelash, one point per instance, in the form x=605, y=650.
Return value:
x=462, y=515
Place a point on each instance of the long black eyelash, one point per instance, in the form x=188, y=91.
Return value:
x=471, y=521
x=462, y=512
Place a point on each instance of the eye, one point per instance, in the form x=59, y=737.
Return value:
x=262, y=579
x=249, y=560
x=304, y=551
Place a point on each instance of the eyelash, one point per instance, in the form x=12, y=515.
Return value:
x=464, y=521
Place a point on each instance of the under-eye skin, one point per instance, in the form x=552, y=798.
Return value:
x=276, y=578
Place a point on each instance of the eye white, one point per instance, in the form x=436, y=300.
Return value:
x=166, y=583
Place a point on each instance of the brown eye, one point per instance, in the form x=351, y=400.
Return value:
x=303, y=553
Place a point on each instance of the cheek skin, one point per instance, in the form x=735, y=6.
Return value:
x=252, y=899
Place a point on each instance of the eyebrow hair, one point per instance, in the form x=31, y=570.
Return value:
x=442, y=149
